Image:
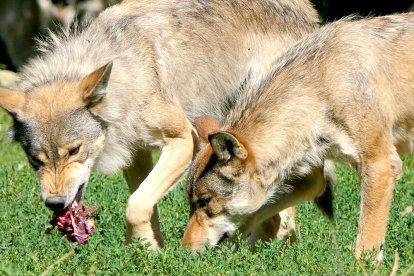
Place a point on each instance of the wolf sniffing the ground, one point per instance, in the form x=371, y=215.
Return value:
x=134, y=80
x=344, y=93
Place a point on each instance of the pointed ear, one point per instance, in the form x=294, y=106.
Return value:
x=93, y=86
x=11, y=100
x=206, y=125
x=225, y=145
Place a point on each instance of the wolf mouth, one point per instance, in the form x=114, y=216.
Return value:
x=73, y=221
x=78, y=196
x=224, y=238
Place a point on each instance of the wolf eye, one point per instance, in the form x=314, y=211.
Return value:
x=35, y=162
x=74, y=151
x=203, y=202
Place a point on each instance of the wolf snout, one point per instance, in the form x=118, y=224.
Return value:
x=55, y=202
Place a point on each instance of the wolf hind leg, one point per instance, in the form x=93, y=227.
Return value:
x=134, y=175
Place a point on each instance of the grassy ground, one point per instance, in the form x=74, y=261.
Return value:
x=322, y=249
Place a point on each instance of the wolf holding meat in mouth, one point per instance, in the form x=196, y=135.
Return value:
x=134, y=80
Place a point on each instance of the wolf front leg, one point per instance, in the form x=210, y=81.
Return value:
x=295, y=191
x=281, y=225
x=287, y=228
x=378, y=174
x=266, y=231
x=176, y=155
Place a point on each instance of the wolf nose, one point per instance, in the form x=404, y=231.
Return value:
x=55, y=202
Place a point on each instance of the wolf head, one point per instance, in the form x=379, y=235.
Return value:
x=222, y=186
x=61, y=133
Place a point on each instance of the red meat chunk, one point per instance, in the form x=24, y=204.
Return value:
x=73, y=222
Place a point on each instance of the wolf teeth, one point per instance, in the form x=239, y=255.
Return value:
x=75, y=204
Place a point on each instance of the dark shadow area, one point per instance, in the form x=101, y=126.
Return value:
x=335, y=9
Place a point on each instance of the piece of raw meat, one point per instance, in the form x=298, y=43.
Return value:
x=73, y=222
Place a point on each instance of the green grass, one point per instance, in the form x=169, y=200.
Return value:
x=322, y=249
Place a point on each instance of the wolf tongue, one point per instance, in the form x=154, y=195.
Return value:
x=73, y=222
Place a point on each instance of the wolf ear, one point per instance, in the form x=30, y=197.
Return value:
x=12, y=101
x=206, y=125
x=93, y=86
x=225, y=145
